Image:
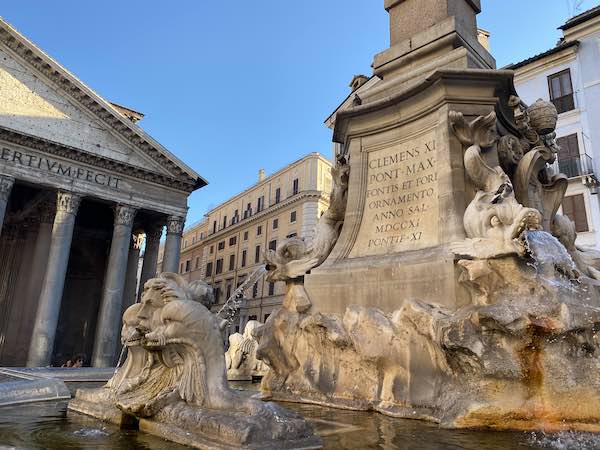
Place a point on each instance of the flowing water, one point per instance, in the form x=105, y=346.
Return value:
x=47, y=426
x=550, y=256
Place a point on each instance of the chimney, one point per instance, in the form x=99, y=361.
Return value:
x=483, y=36
x=261, y=175
x=358, y=81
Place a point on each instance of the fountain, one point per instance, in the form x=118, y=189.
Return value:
x=173, y=383
x=442, y=284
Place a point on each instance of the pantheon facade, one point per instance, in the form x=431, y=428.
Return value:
x=82, y=189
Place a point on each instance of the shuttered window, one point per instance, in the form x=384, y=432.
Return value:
x=574, y=209
x=561, y=91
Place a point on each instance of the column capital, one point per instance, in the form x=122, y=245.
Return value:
x=68, y=202
x=175, y=224
x=154, y=232
x=137, y=240
x=6, y=184
x=124, y=214
x=47, y=211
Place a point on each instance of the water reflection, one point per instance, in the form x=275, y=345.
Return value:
x=46, y=426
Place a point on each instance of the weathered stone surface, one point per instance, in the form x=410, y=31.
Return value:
x=240, y=358
x=174, y=380
x=518, y=357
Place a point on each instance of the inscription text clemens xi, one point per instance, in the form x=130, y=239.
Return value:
x=401, y=207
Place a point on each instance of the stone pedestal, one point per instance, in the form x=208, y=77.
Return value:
x=407, y=195
x=44, y=330
x=107, y=330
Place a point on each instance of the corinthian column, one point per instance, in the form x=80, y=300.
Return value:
x=153, y=235
x=173, y=244
x=109, y=320
x=131, y=281
x=46, y=319
x=6, y=184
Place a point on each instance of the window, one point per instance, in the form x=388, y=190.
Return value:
x=197, y=262
x=217, y=292
x=255, y=291
x=228, y=291
x=187, y=265
x=209, y=269
x=252, y=318
x=185, y=243
x=232, y=240
x=244, y=253
x=236, y=217
x=561, y=91
x=259, y=230
x=569, y=161
x=574, y=208
x=292, y=216
x=219, y=268
x=215, y=226
x=291, y=235
x=245, y=235
x=271, y=288
x=231, y=262
x=277, y=195
x=248, y=211
x=273, y=244
x=266, y=317
x=224, y=221
x=275, y=224
x=181, y=268
x=212, y=249
x=193, y=240
x=221, y=245
x=295, y=186
x=257, y=254
x=260, y=204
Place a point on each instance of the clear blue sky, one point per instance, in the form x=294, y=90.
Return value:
x=234, y=86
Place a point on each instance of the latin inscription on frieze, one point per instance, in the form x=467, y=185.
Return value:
x=56, y=167
x=401, y=211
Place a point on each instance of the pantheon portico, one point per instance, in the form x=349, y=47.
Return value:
x=82, y=190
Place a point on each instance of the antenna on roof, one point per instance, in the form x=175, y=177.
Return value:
x=574, y=7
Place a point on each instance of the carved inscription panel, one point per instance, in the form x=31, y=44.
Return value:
x=401, y=210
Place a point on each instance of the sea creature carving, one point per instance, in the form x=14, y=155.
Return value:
x=494, y=221
x=175, y=377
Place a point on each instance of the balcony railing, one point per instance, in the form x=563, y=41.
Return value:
x=576, y=166
x=564, y=103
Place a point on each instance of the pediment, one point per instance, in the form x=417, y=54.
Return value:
x=31, y=106
x=39, y=98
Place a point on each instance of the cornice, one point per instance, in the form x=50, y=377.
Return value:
x=319, y=195
x=75, y=154
x=89, y=100
x=534, y=68
x=270, y=179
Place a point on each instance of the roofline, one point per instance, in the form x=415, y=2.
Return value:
x=580, y=18
x=346, y=99
x=560, y=47
x=47, y=62
x=269, y=178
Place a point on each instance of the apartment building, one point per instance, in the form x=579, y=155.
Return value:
x=569, y=76
x=227, y=245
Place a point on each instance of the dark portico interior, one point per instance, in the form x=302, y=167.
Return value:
x=24, y=246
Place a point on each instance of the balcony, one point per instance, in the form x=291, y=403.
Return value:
x=576, y=166
x=564, y=103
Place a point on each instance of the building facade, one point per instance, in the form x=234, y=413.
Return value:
x=228, y=244
x=81, y=187
x=568, y=75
